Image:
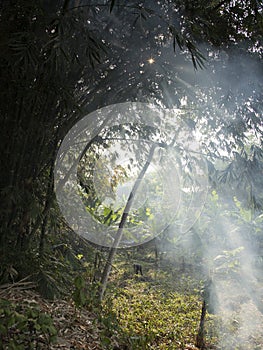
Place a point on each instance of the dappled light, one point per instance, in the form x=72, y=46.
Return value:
x=131, y=175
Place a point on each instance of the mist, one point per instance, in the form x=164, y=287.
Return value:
x=227, y=94
x=224, y=96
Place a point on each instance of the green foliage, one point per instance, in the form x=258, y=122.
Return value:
x=48, y=285
x=85, y=296
x=85, y=293
x=228, y=261
x=25, y=327
x=52, y=55
x=54, y=70
x=156, y=318
x=79, y=296
x=110, y=324
x=245, y=214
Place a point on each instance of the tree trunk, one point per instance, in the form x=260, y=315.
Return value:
x=200, y=341
x=62, y=182
x=48, y=202
x=113, y=250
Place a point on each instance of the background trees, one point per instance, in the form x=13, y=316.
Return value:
x=61, y=60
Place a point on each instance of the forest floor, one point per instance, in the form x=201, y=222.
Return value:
x=75, y=329
x=160, y=310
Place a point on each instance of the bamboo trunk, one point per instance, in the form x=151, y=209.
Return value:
x=113, y=250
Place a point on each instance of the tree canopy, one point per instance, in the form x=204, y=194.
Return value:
x=61, y=60
x=190, y=73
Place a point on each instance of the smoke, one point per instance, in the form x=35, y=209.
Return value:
x=231, y=229
x=223, y=103
x=239, y=301
x=235, y=281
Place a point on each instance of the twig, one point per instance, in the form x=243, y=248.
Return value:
x=22, y=284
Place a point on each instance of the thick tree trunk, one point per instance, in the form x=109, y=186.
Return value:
x=62, y=182
x=48, y=202
x=113, y=250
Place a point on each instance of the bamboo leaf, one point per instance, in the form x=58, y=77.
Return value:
x=112, y=5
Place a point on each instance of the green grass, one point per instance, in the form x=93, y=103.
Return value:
x=156, y=319
x=153, y=314
x=162, y=309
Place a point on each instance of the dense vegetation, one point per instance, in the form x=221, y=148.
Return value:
x=60, y=61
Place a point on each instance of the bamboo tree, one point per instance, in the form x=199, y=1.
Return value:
x=113, y=250
x=42, y=216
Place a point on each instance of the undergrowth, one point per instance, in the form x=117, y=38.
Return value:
x=150, y=318
x=24, y=327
